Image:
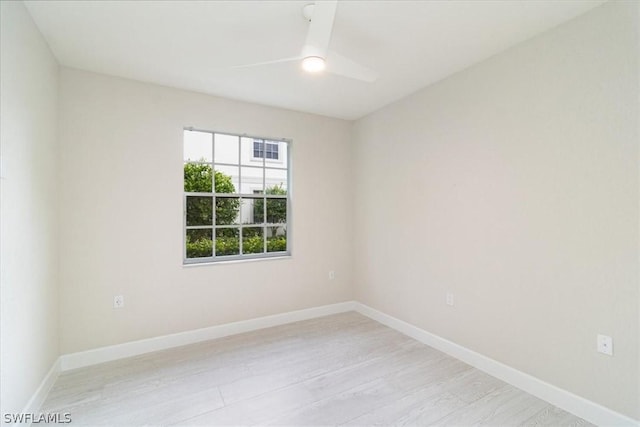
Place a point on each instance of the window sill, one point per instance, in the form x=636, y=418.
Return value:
x=267, y=161
x=235, y=261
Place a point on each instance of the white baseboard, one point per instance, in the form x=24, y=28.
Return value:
x=38, y=398
x=134, y=348
x=590, y=411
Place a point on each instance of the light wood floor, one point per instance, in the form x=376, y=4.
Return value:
x=338, y=370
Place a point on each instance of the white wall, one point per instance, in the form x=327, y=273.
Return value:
x=121, y=214
x=524, y=204
x=28, y=243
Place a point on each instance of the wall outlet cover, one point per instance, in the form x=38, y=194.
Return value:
x=605, y=344
x=118, y=301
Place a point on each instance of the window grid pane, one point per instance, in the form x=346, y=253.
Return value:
x=222, y=221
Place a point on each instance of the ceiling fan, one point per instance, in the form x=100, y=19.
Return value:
x=316, y=56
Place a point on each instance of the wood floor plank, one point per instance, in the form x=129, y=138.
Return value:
x=342, y=369
x=339, y=408
x=553, y=416
x=522, y=408
x=423, y=407
x=256, y=410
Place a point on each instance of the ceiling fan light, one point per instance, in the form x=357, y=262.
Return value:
x=313, y=64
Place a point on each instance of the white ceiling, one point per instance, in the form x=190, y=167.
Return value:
x=192, y=44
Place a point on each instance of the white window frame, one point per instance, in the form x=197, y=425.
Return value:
x=264, y=166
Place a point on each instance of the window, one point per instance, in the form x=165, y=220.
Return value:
x=236, y=204
x=265, y=149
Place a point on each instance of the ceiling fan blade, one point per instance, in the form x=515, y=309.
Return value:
x=343, y=66
x=319, y=34
x=275, y=61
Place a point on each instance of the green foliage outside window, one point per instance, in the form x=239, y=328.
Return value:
x=231, y=246
x=276, y=210
x=198, y=179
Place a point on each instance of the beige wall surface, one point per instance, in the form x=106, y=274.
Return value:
x=28, y=225
x=121, y=214
x=514, y=185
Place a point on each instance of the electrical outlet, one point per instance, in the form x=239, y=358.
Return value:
x=332, y=275
x=605, y=345
x=450, y=298
x=118, y=301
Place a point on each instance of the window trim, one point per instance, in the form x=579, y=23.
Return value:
x=289, y=196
